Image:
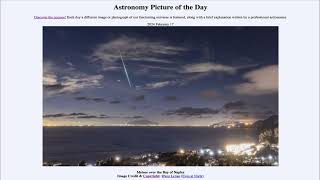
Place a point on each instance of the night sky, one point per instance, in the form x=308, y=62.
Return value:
x=188, y=76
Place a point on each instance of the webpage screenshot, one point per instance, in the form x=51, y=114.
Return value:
x=135, y=89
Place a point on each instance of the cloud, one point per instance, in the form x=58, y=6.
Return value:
x=252, y=114
x=115, y=102
x=157, y=71
x=53, y=87
x=133, y=49
x=186, y=74
x=139, y=98
x=112, y=117
x=78, y=81
x=59, y=80
x=259, y=82
x=190, y=111
x=91, y=117
x=55, y=115
x=83, y=98
x=135, y=117
x=76, y=114
x=69, y=64
x=157, y=85
x=209, y=94
x=207, y=67
x=58, y=115
x=88, y=116
x=98, y=99
x=171, y=98
x=239, y=106
x=244, y=110
x=234, y=105
x=162, y=68
x=49, y=75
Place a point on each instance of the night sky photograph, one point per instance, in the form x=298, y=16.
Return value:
x=211, y=85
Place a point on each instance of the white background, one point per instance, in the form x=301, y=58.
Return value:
x=21, y=86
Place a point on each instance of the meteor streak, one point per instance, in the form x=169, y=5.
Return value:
x=125, y=70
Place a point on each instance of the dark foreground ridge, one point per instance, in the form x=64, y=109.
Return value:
x=234, y=155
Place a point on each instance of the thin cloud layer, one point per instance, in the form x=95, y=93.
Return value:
x=258, y=115
x=158, y=85
x=139, y=98
x=88, y=99
x=191, y=111
x=115, y=102
x=209, y=94
x=207, y=67
x=87, y=116
x=171, y=98
x=234, y=105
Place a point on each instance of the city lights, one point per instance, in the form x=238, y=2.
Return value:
x=89, y=164
x=238, y=148
x=181, y=151
x=201, y=151
x=259, y=146
x=206, y=151
x=117, y=158
x=235, y=154
x=211, y=153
